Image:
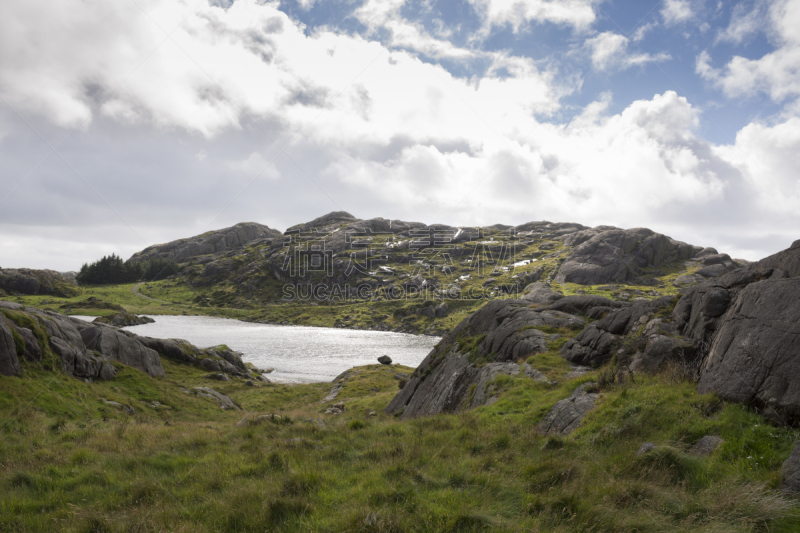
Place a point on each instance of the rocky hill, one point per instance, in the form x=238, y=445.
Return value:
x=29, y=281
x=350, y=258
x=737, y=333
x=209, y=243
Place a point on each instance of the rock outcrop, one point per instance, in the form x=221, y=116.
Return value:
x=617, y=255
x=88, y=350
x=9, y=358
x=30, y=281
x=598, y=342
x=223, y=401
x=737, y=333
x=746, y=328
x=116, y=346
x=208, y=243
x=567, y=414
x=755, y=354
x=458, y=372
x=123, y=319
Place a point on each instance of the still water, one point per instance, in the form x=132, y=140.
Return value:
x=298, y=354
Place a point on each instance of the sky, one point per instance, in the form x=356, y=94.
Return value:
x=135, y=122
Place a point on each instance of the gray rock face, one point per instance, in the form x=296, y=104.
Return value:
x=30, y=281
x=123, y=319
x=755, y=355
x=539, y=293
x=701, y=310
x=791, y=471
x=9, y=362
x=597, y=342
x=444, y=390
x=117, y=346
x=706, y=445
x=168, y=348
x=32, y=351
x=385, y=360
x=223, y=401
x=619, y=255
x=659, y=349
x=66, y=341
x=447, y=381
x=76, y=361
x=107, y=372
x=585, y=305
x=208, y=243
x=483, y=394
x=209, y=364
x=567, y=415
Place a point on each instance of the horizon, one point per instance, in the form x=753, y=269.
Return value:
x=127, y=125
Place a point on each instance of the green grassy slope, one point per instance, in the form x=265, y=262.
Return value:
x=71, y=462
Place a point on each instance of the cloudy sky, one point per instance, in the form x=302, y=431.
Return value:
x=132, y=122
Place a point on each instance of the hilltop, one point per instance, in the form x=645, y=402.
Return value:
x=341, y=271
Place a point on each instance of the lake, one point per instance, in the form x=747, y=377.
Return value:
x=299, y=354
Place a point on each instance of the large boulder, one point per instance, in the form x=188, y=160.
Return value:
x=123, y=319
x=115, y=345
x=617, y=255
x=63, y=337
x=567, y=415
x=458, y=372
x=755, y=354
x=170, y=348
x=539, y=293
x=9, y=362
x=223, y=401
x=660, y=349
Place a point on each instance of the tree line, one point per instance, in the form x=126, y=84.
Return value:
x=112, y=269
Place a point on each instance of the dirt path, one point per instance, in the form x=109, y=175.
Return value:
x=135, y=290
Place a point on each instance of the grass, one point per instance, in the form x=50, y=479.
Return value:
x=71, y=462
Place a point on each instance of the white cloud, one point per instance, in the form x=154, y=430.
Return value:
x=255, y=165
x=641, y=31
x=744, y=23
x=579, y=14
x=776, y=74
x=767, y=159
x=375, y=128
x=381, y=15
x=610, y=50
x=676, y=11
x=631, y=166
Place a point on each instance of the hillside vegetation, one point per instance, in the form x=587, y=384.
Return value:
x=385, y=274
x=72, y=462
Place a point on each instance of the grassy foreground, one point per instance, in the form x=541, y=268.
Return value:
x=71, y=462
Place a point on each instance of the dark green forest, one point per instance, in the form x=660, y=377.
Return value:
x=112, y=269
